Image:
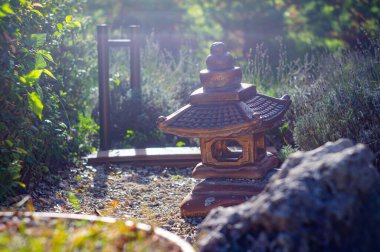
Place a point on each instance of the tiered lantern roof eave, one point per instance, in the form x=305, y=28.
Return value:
x=223, y=106
x=226, y=119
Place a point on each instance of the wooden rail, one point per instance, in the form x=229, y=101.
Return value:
x=168, y=156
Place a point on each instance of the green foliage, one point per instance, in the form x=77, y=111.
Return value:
x=286, y=151
x=49, y=72
x=341, y=98
x=42, y=234
x=73, y=200
x=243, y=24
x=46, y=72
x=166, y=85
x=176, y=177
x=333, y=96
x=332, y=25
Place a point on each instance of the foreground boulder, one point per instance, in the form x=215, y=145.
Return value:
x=327, y=199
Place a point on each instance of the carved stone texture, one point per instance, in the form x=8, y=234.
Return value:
x=230, y=118
x=327, y=199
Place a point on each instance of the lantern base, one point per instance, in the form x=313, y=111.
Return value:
x=251, y=171
x=212, y=193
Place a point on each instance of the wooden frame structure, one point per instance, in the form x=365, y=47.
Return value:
x=104, y=44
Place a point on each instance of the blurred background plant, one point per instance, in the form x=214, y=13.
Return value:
x=48, y=75
x=324, y=54
x=341, y=98
x=166, y=84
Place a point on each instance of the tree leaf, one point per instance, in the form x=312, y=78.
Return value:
x=9, y=143
x=38, y=38
x=59, y=26
x=33, y=76
x=180, y=144
x=46, y=55
x=49, y=73
x=68, y=19
x=7, y=8
x=21, y=151
x=77, y=24
x=40, y=63
x=35, y=104
x=21, y=184
x=37, y=12
x=73, y=200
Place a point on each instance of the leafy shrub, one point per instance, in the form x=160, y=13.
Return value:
x=341, y=98
x=46, y=79
x=333, y=95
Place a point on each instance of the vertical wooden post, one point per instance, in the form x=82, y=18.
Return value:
x=135, y=61
x=104, y=92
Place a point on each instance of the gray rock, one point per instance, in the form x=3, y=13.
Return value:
x=327, y=199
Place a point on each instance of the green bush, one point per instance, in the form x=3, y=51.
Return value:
x=333, y=95
x=340, y=98
x=47, y=71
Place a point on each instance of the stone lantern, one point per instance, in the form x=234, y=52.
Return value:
x=230, y=119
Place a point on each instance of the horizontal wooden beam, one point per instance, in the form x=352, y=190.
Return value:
x=167, y=156
x=119, y=42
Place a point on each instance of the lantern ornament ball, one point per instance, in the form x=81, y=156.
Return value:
x=230, y=119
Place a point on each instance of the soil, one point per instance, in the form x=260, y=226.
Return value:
x=146, y=194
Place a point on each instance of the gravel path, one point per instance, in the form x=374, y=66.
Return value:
x=147, y=194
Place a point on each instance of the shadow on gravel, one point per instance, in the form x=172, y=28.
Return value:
x=100, y=188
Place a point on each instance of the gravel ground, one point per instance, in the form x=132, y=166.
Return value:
x=147, y=194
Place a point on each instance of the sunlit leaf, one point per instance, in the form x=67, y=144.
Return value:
x=60, y=26
x=49, y=73
x=37, y=12
x=77, y=24
x=73, y=200
x=34, y=74
x=21, y=184
x=35, y=104
x=7, y=8
x=9, y=143
x=46, y=55
x=40, y=63
x=116, y=81
x=68, y=19
x=2, y=14
x=29, y=205
x=21, y=151
x=31, y=77
x=180, y=144
x=38, y=39
x=115, y=203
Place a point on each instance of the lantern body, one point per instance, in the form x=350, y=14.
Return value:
x=230, y=119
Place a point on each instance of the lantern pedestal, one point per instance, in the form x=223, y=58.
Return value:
x=251, y=171
x=212, y=193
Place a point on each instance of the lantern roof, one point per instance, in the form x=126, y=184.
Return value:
x=224, y=107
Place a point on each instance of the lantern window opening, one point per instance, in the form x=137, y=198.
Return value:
x=227, y=150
